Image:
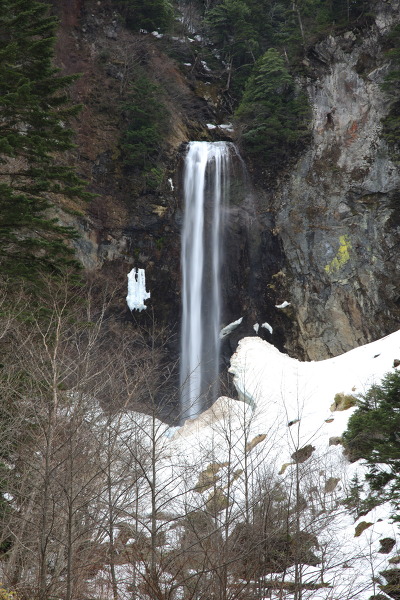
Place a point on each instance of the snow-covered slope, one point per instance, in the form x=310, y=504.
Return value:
x=289, y=406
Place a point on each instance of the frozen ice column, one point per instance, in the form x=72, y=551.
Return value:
x=137, y=290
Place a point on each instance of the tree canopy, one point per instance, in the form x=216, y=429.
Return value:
x=272, y=113
x=149, y=15
x=391, y=123
x=373, y=434
x=35, y=109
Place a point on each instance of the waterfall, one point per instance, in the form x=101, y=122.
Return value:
x=206, y=187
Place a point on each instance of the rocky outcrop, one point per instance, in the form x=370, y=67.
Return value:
x=124, y=226
x=324, y=238
x=336, y=213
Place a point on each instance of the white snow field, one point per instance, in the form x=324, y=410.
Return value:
x=289, y=405
x=280, y=441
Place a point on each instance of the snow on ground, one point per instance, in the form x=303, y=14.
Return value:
x=287, y=405
x=229, y=328
x=285, y=389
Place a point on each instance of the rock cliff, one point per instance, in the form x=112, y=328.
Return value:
x=337, y=212
x=322, y=236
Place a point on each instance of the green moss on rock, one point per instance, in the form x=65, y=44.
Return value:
x=342, y=256
x=343, y=402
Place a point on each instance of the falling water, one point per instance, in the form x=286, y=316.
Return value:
x=206, y=183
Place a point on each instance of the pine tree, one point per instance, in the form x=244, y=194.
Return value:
x=273, y=114
x=145, y=123
x=35, y=108
x=146, y=126
x=391, y=123
x=149, y=15
x=232, y=30
x=373, y=435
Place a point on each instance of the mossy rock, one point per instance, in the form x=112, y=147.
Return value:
x=200, y=522
x=361, y=527
x=342, y=256
x=217, y=501
x=330, y=484
x=392, y=588
x=335, y=441
x=208, y=478
x=303, y=454
x=256, y=440
x=343, y=402
x=284, y=467
x=387, y=545
x=237, y=474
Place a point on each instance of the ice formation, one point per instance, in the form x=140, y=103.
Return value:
x=137, y=290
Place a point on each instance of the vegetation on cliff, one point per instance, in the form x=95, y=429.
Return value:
x=148, y=15
x=146, y=127
x=373, y=435
x=35, y=109
x=264, y=45
x=274, y=115
x=391, y=123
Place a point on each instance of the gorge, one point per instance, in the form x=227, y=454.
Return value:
x=337, y=199
x=188, y=440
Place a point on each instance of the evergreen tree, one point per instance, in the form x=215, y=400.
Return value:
x=145, y=129
x=232, y=30
x=273, y=114
x=373, y=434
x=345, y=12
x=34, y=107
x=391, y=123
x=149, y=15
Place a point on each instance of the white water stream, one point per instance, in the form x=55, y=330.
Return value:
x=206, y=187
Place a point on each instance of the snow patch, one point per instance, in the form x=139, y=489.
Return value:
x=226, y=126
x=267, y=326
x=229, y=328
x=283, y=305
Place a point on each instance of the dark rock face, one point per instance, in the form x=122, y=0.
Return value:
x=336, y=212
x=303, y=454
x=323, y=238
x=252, y=256
x=124, y=227
x=387, y=545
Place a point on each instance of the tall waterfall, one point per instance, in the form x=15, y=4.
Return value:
x=206, y=187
